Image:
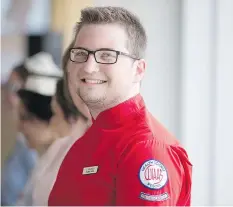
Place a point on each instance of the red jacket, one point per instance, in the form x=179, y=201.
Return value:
x=125, y=158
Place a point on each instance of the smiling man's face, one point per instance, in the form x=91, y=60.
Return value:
x=98, y=84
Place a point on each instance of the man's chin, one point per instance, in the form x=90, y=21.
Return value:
x=91, y=98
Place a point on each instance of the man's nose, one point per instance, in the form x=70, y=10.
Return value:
x=91, y=65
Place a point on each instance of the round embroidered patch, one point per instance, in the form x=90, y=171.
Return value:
x=153, y=174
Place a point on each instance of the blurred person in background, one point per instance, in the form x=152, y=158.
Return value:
x=35, y=106
x=23, y=158
x=21, y=161
x=16, y=81
x=68, y=124
x=128, y=157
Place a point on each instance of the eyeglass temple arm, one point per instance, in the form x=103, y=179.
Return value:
x=125, y=54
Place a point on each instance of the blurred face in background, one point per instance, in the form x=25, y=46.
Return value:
x=13, y=84
x=58, y=123
x=37, y=132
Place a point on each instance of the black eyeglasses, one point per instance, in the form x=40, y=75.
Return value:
x=103, y=56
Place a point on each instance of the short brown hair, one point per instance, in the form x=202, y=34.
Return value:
x=137, y=40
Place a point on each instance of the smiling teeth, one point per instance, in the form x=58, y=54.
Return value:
x=94, y=81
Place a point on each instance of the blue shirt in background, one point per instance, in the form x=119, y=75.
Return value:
x=16, y=171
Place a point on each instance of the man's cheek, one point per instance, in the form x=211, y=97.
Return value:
x=71, y=81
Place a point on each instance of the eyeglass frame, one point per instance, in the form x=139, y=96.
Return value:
x=101, y=49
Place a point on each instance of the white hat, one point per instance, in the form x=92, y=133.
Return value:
x=42, y=63
x=41, y=84
x=44, y=74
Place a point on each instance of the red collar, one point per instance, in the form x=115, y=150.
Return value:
x=121, y=113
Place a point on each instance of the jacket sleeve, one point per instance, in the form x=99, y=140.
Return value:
x=152, y=174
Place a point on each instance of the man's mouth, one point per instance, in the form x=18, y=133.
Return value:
x=93, y=81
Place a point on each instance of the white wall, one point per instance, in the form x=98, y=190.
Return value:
x=207, y=98
x=13, y=51
x=223, y=161
x=198, y=44
x=38, y=18
x=25, y=17
x=189, y=86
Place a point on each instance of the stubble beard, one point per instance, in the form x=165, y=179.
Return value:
x=91, y=102
x=98, y=104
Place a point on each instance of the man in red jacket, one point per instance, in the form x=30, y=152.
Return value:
x=126, y=157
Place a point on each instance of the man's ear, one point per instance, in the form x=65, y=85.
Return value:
x=140, y=70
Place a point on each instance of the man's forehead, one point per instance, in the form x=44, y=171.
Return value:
x=98, y=36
